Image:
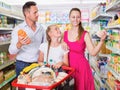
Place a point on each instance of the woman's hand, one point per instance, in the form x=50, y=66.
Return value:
x=65, y=46
x=102, y=34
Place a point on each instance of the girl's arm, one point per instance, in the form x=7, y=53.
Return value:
x=65, y=59
x=93, y=50
x=41, y=57
x=63, y=62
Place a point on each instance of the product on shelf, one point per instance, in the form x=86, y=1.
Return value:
x=111, y=80
x=3, y=57
x=1, y=77
x=99, y=9
x=117, y=85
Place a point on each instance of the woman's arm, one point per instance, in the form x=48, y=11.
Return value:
x=93, y=50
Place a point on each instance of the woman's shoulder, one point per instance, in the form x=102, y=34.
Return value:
x=65, y=31
x=85, y=31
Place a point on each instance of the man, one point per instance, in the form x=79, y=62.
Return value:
x=27, y=48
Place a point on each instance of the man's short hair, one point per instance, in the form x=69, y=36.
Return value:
x=27, y=6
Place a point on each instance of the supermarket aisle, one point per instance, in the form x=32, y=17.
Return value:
x=95, y=16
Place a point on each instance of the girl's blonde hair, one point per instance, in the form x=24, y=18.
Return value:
x=48, y=39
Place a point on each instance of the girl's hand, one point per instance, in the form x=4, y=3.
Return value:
x=58, y=65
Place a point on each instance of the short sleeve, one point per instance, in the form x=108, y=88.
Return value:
x=42, y=47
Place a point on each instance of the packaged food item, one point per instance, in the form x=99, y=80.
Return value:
x=22, y=33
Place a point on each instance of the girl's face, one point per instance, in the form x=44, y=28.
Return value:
x=75, y=18
x=55, y=31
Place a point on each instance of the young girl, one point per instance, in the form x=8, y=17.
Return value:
x=51, y=51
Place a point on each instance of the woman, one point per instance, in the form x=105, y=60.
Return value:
x=78, y=40
x=52, y=49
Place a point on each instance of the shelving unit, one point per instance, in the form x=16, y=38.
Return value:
x=116, y=75
x=101, y=17
x=108, y=86
x=113, y=27
x=6, y=64
x=8, y=20
x=4, y=43
x=96, y=86
x=6, y=29
x=7, y=81
x=114, y=7
x=100, y=22
x=114, y=50
x=8, y=14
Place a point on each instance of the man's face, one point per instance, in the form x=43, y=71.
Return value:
x=32, y=14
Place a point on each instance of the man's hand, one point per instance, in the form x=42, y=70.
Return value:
x=23, y=41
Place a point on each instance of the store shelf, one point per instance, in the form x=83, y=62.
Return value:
x=96, y=86
x=4, y=43
x=114, y=50
x=6, y=64
x=97, y=78
x=7, y=81
x=95, y=68
x=6, y=28
x=115, y=74
x=97, y=75
x=113, y=27
x=8, y=14
x=106, y=55
x=108, y=86
x=115, y=6
x=102, y=17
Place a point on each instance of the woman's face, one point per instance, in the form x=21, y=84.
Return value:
x=75, y=18
x=55, y=31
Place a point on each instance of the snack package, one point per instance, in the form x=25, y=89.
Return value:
x=23, y=34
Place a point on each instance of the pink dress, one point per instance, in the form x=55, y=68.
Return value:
x=83, y=73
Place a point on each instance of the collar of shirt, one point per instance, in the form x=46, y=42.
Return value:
x=37, y=24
